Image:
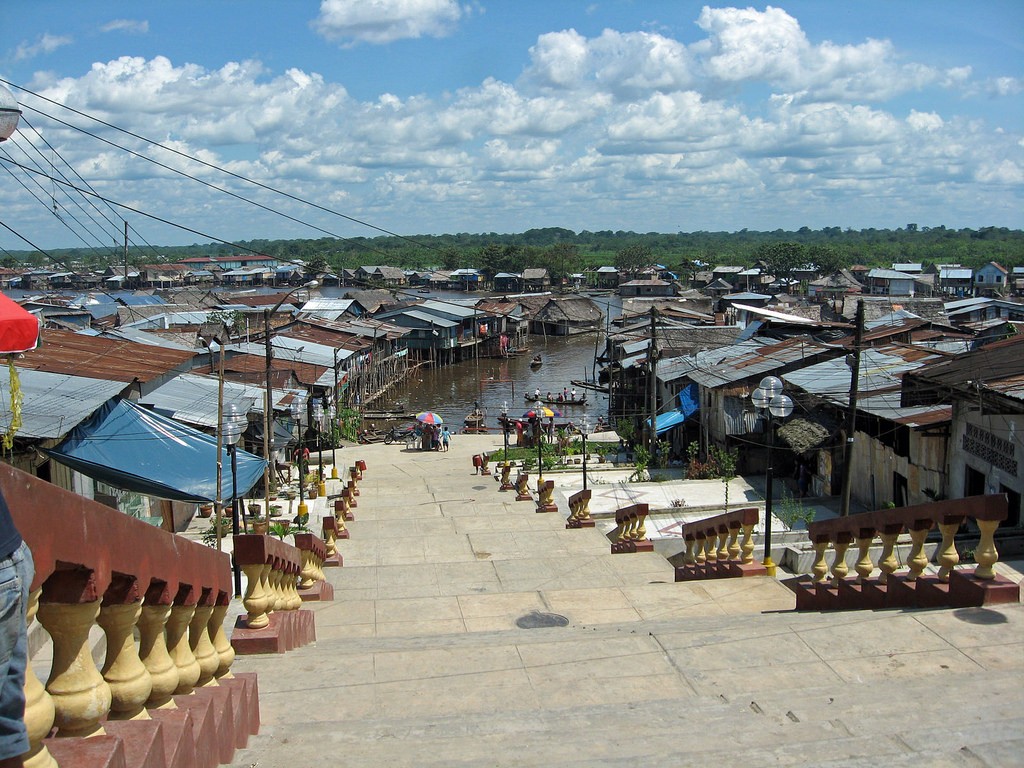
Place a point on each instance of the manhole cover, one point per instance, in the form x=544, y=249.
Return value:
x=538, y=620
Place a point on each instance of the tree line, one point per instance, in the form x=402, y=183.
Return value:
x=564, y=252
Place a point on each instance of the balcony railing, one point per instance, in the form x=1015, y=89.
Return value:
x=98, y=567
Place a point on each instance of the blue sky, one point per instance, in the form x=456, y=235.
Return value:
x=432, y=116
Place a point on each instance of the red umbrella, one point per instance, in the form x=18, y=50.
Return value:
x=19, y=329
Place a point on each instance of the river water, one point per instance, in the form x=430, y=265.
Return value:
x=453, y=391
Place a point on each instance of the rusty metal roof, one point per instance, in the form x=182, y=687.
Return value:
x=98, y=357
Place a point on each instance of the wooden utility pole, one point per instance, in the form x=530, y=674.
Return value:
x=851, y=415
x=652, y=385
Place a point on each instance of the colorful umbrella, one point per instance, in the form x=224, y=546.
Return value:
x=429, y=417
x=544, y=413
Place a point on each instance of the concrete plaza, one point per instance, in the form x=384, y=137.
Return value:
x=470, y=630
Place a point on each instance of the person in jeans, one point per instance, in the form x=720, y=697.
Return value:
x=16, y=572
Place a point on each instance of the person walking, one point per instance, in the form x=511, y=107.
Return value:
x=446, y=438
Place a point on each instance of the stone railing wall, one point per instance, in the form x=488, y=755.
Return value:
x=715, y=549
x=886, y=582
x=95, y=566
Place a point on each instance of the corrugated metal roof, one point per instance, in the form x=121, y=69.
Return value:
x=326, y=304
x=193, y=399
x=54, y=403
x=879, y=372
x=77, y=354
x=748, y=359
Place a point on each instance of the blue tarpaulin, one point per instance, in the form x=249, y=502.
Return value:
x=687, y=405
x=129, y=447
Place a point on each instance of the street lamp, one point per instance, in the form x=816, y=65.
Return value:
x=504, y=426
x=583, y=433
x=9, y=114
x=298, y=409
x=769, y=399
x=233, y=422
x=332, y=414
x=318, y=419
x=268, y=395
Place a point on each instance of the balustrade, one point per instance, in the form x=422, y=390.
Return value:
x=313, y=585
x=98, y=567
x=715, y=549
x=630, y=534
x=953, y=584
x=546, y=496
x=523, y=487
x=506, y=476
x=579, y=510
x=273, y=623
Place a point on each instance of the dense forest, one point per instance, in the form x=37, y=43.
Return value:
x=564, y=251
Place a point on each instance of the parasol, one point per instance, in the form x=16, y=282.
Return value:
x=429, y=417
x=544, y=412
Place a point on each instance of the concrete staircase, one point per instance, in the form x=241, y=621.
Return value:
x=423, y=658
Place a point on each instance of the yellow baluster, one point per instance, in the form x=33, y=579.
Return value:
x=81, y=697
x=864, y=566
x=887, y=562
x=947, y=555
x=820, y=568
x=202, y=647
x=986, y=554
x=917, y=561
x=255, y=600
x=163, y=675
x=128, y=678
x=733, y=547
x=839, y=566
x=747, y=544
x=219, y=638
x=179, y=650
x=39, y=710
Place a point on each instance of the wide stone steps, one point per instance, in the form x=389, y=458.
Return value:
x=889, y=712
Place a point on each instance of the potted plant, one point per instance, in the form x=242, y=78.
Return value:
x=260, y=526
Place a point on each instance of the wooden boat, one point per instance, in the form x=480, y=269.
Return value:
x=554, y=400
x=537, y=362
x=474, y=423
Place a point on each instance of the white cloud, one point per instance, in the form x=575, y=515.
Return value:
x=133, y=26
x=755, y=125
x=46, y=43
x=384, y=21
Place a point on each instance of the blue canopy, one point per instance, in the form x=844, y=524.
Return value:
x=688, y=405
x=129, y=447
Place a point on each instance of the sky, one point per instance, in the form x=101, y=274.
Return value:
x=354, y=118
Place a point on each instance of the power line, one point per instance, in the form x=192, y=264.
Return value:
x=212, y=166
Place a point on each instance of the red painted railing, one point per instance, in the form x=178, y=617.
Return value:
x=97, y=566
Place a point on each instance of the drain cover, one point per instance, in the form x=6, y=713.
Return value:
x=538, y=620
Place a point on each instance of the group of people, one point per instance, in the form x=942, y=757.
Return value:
x=435, y=437
x=565, y=396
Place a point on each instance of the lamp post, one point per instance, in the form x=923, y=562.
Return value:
x=504, y=426
x=332, y=414
x=233, y=422
x=769, y=399
x=268, y=395
x=298, y=409
x=583, y=434
x=318, y=419
x=538, y=430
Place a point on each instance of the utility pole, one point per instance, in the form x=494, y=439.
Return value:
x=851, y=416
x=652, y=385
x=125, y=284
